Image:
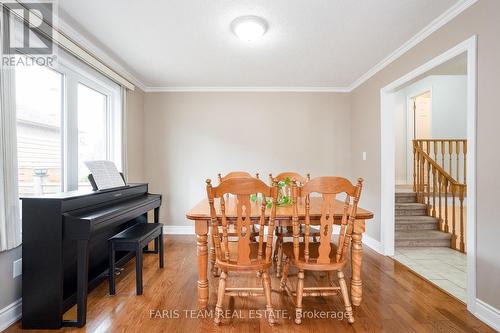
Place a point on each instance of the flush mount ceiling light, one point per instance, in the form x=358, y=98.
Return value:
x=249, y=28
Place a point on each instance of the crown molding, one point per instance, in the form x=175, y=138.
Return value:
x=247, y=89
x=96, y=51
x=432, y=27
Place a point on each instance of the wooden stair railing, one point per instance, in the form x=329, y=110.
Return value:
x=435, y=187
x=449, y=154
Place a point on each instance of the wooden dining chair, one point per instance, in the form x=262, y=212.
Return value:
x=325, y=255
x=230, y=175
x=243, y=254
x=236, y=174
x=282, y=232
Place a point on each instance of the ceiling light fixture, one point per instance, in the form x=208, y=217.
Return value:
x=249, y=28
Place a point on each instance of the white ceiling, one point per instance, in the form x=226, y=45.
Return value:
x=310, y=43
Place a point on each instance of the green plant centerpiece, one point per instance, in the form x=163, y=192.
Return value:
x=283, y=194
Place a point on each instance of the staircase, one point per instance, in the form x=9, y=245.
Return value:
x=414, y=227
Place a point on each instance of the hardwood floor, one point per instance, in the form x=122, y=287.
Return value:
x=394, y=300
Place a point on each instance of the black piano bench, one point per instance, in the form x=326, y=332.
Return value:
x=134, y=239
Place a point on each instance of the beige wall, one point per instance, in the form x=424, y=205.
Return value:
x=135, y=135
x=10, y=288
x=481, y=20
x=190, y=137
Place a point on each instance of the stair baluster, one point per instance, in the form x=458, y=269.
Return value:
x=435, y=150
x=450, y=153
x=465, y=162
x=457, y=151
x=422, y=177
x=440, y=187
x=442, y=152
x=428, y=188
x=446, y=222
x=414, y=169
x=434, y=182
x=454, y=235
x=462, y=226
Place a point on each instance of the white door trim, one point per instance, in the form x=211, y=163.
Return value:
x=388, y=160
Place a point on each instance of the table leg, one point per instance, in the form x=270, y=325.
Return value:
x=356, y=261
x=202, y=252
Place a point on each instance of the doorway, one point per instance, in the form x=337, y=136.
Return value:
x=388, y=149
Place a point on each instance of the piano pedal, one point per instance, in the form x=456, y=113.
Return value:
x=118, y=271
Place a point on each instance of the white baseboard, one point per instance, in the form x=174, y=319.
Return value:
x=487, y=314
x=10, y=314
x=372, y=243
x=178, y=229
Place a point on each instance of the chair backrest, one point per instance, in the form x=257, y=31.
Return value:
x=291, y=176
x=241, y=189
x=328, y=188
x=236, y=174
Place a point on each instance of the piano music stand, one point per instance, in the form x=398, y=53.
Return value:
x=94, y=185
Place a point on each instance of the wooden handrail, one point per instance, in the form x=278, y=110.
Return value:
x=439, y=168
x=431, y=180
x=445, y=140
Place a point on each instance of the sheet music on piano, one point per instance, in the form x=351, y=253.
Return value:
x=105, y=174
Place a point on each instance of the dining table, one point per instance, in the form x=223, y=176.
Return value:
x=200, y=215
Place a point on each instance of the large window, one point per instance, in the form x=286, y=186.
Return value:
x=66, y=115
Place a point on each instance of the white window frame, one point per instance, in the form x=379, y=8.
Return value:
x=75, y=72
